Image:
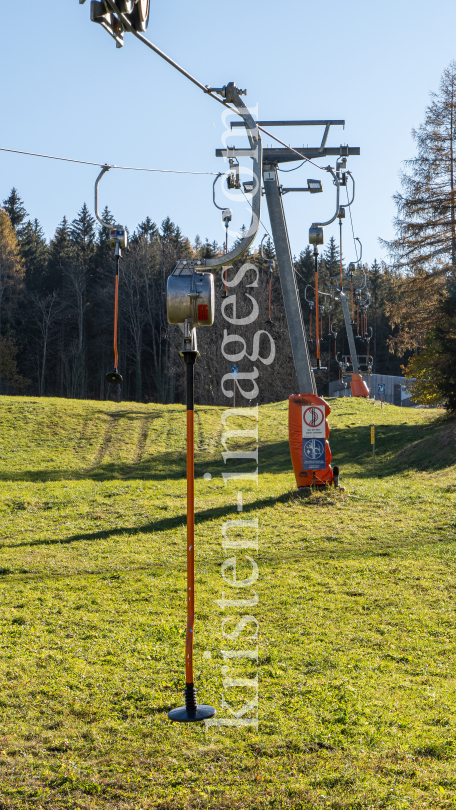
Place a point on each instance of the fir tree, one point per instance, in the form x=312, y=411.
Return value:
x=103, y=250
x=61, y=252
x=331, y=257
x=83, y=235
x=34, y=250
x=242, y=233
x=208, y=250
x=268, y=249
x=11, y=275
x=168, y=229
x=426, y=222
x=305, y=267
x=147, y=229
x=433, y=370
x=78, y=277
x=14, y=207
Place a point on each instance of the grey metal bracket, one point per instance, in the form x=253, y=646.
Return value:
x=288, y=190
x=312, y=123
x=279, y=155
x=255, y=152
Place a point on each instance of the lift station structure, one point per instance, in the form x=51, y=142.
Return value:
x=274, y=193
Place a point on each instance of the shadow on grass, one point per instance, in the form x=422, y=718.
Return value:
x=398, y=448
x=163, y=525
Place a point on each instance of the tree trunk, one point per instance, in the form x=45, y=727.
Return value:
x=138, y=374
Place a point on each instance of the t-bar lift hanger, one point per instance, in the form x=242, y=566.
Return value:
x=118, y=239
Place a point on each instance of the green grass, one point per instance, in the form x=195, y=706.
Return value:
x=357, y=686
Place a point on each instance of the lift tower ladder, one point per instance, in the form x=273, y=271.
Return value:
x=273, y=192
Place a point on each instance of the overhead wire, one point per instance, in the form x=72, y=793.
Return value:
x=351, y=221
x=111, y=166
x=292, y=170
x=261, y=221
x=205, y=88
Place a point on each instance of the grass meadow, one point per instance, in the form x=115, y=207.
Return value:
x=356, y=611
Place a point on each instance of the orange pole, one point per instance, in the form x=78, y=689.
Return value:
x=116, y=311
x=190, y=539
x=191, y=712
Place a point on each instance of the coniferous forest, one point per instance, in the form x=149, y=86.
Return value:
x=56, y=308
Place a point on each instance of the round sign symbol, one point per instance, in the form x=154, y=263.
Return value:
x=313, y=417
x=314, y=449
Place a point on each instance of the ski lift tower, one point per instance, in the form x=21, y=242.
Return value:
x=274, y=192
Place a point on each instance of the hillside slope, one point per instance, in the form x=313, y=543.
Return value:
x=357, y=633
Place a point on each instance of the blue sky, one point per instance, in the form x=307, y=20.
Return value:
x=68, y=91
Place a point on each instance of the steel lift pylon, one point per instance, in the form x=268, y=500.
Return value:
x=274, y=193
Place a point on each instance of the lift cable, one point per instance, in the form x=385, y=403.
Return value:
x=261, y=221
x=205, y=88
x=292, y=170
x=90, y=163
x=353, y=232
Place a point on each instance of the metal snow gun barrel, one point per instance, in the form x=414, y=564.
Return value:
x=190, y=296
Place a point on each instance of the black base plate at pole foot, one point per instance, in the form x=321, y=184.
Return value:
x=113, y=377
x=191, y=712
x=183, y=715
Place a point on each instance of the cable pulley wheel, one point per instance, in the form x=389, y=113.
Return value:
x=139, y=17
x=125, y=6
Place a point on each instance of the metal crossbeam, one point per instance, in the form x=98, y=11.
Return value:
x=287, y=156
x=293, y=124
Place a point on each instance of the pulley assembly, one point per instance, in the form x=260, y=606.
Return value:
x=107, y=13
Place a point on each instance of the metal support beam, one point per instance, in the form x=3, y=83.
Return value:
x=325, y=123
x=351, y=339
x=280, y=155
x=301, y=357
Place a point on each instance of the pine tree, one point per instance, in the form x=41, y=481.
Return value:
x=11, y=273
x=425, y=222
x=147, y=229
x=34, y=250
x=83, y=235
x=268, y=249
x=433, y=370
x=168, y=229
x=14, y=207
x=78, y=277
x=379, y=283
x=331, y=258
x=208, y=250
x=305, y=267
x=103, y=254
x=61, y=252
